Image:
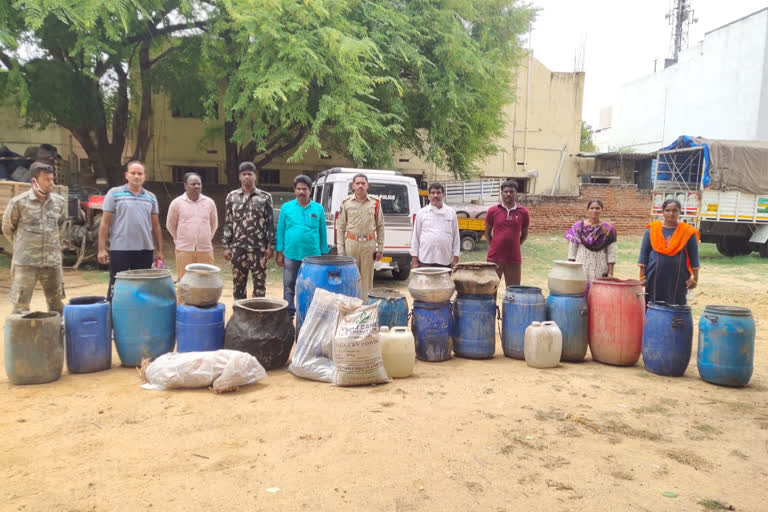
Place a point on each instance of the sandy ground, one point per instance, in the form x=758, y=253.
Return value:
x=459, y=435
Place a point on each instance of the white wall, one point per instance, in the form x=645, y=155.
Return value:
x=718, y=89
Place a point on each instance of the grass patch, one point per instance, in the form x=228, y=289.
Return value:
x=715, y=505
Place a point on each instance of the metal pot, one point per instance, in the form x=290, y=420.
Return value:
x=476, y=278
x=431, y=284
x=200, y=285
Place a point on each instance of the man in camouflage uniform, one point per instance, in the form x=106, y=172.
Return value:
x=31, y=223
x=249, y=233
x=360, y=230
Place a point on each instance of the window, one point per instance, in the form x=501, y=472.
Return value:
x=327, y=196
x=208, y=175
x=269, y=177
x=394, y=198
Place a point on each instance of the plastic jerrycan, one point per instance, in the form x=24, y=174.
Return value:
x=398, y=351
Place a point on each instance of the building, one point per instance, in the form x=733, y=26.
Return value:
x=542, y=137
x=717, y=89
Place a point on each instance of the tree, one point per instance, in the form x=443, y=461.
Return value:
x=365, y=77
x=81, y=65
x=586, y=138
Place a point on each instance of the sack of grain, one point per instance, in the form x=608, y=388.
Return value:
x=312, y=356
x=357, y=350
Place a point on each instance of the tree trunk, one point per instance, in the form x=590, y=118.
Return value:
x=143, y=135
x=231, y=153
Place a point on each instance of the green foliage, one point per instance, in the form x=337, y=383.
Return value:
x=586, y=138
x=74, y=62
x=431, y=76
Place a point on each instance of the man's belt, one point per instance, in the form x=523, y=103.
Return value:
x=361, y=238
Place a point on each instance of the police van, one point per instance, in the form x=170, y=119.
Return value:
x=399, y=196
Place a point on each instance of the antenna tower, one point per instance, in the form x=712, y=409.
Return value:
x=680, y=18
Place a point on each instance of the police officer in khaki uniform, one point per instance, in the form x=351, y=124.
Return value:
x=31, y=223
x=360, y=230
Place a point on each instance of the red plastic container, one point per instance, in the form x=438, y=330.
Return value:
x=616, y=313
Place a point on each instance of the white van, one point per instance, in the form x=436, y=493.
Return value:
x=399, y=197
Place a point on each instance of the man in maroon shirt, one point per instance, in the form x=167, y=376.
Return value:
x=506, y=228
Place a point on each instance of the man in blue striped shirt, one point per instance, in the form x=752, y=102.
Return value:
x=300, y=233
x=130, y=221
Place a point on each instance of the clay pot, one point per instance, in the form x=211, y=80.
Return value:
x=567, y=278
x=200, y=285
x=263, y=328
x=431, y=284
x=476, y=278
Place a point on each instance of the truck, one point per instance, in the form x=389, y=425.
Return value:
x=722, y=186
x=471, y=231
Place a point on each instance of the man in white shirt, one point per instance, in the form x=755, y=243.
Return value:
x=435, y=241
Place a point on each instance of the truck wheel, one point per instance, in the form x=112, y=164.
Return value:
x=732, y=246
x=401, y=274
x=467, y=243
x=764, y=250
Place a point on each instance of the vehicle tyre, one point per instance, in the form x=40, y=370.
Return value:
x=462, y=214
x=468, y=243
x=764, y=250
x=480, y=215
x=733, y=246
x=402, y=273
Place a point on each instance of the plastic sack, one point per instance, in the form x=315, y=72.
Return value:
x=223, y=370
x=357, y=349
x=312, y=356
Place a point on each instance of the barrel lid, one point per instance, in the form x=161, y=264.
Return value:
x=385, y=293
x=663, y=306
x=522, y=289
x=728, y=310
x=147, y=273
x=329, y=259
x=615, y=281
x=571, y=295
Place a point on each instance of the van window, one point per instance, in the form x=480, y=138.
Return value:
x=326, y=198
x=394, y=198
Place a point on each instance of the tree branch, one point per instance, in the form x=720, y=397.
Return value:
x=170, y=29
x=282, y=149
x=6, y=60
x=152, y=62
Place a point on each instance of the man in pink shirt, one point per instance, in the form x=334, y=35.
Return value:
x=506, y=228
x=192, y=221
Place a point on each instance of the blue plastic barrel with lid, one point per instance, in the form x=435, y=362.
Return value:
x=88, y=328
x=337, y=274
x=143, y=314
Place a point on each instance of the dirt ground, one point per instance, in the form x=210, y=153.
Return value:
x=459, y=435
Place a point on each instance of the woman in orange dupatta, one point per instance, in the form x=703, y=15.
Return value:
x=669, y=257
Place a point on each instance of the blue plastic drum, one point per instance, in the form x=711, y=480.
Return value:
x=88, y=328
x=143, y=314
x=522, y=305
x=432, y=326
x=199, y=329
x=337, y=274
x=475, y=326
x=726, y=345
x=667, y=339
x=393, y=307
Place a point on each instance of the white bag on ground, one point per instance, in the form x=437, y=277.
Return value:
x=312, y=356
x=357, y=349
x=223, y=370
